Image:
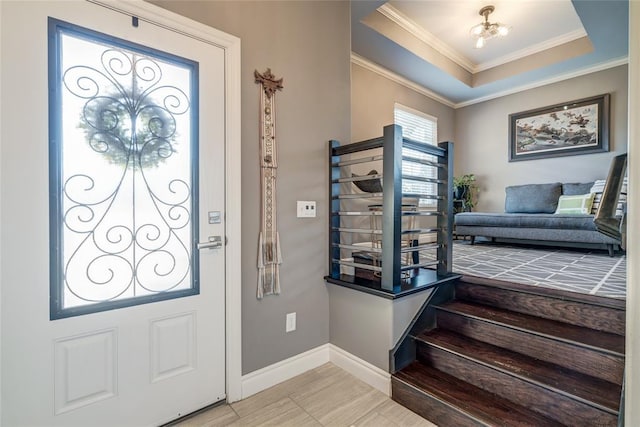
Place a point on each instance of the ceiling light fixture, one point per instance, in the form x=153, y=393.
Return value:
x=487, y=30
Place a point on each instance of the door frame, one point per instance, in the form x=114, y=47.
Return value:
x=147, y=12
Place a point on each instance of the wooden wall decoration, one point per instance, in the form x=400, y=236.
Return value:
x=269, y=254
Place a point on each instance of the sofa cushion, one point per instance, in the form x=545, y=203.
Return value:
x=575, y=188
x=532, y=198
x=551, y=221
x=578, y=204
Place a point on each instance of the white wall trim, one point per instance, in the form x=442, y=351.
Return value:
x=231, y=46
x=170, y=20
x=271, y=375
x=1, y=285
x=532, y=50
x=361, y=369
x=409, y=25
x=390, y=75
x=577, y=73
x=233, y=216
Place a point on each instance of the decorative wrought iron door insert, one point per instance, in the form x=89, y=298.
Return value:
x=123, y=172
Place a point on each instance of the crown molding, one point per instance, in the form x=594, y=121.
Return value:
x=425, y=36
x=531, y=50
x=384, y=72
x=581, y=72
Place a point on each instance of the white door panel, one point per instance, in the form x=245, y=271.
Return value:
x=139, y=365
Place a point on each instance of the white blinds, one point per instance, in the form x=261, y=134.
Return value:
x=423, y=128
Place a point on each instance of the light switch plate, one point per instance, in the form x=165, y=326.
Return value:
x=306, y=209
x=291, y=322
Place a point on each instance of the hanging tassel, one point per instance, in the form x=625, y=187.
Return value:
x=269, y=260
x=276, y=285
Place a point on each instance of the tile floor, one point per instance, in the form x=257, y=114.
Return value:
x=325, y=396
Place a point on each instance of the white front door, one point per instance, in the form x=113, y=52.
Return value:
x=110, y=177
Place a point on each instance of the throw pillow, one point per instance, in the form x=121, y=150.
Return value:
x=532, y=198
x=578, y=204
x=598, y=188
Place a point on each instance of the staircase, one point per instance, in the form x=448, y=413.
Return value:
x=505, y=354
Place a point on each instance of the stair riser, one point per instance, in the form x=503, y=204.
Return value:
x=590, y=316
x=544, y=401
x=429, y=407
x=591, y=362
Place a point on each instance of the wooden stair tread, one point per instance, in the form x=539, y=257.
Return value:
x=596, y=392
x=614, y=303
x=476, y=403
x=574, y=311
x=601, y=341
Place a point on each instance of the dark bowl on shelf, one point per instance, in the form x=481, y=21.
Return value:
x=369, y=185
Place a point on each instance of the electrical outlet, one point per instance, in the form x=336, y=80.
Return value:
x=291, y=322
x=306, y=209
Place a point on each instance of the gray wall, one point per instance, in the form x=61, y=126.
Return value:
x=361, y=324
x=372, y=100
x=307, y=43
x=482, y=137
x=368, y=326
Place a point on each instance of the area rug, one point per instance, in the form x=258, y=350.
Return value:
x=591, y=272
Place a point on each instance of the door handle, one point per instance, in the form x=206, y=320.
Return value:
x=215, y=242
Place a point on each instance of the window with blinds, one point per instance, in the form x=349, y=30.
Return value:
x=420, y=127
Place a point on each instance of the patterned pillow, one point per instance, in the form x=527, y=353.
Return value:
x=598, y=188
x=577, y=204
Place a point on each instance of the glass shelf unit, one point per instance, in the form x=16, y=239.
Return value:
x=381, y=239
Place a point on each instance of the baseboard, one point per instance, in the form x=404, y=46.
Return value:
x=361, y=369
x=271, y=375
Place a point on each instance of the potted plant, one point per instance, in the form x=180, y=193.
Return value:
x=464, y=188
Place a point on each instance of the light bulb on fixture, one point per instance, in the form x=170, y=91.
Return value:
x=487, y=30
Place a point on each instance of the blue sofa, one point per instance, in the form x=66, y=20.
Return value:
x=530, y=217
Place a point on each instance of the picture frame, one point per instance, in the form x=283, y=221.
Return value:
x=567, y=129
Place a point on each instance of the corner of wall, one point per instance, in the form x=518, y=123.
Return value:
x=632, y=362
